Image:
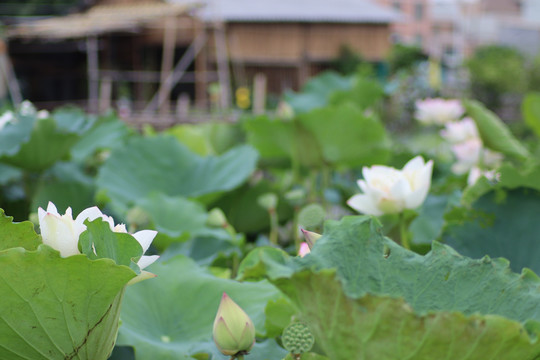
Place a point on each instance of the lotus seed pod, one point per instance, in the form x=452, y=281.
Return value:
x=311, y=215
x=297, y=338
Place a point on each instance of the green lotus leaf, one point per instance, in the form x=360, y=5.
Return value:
x=243, y=212
x=401, y=305
x=530, y=108
x=365, y=93
x=317, y=91
x=162, y=164
x=8, y=174
x=428, y=225
x=273, y=138
x=194, y=137
x=347, y=136
x=72, y=119
x=494, y=133
x=66, y=185
x=107, y=133
x=172, y=315
x=205, y=247
x=56, y=308
x=17, y=234
x=36, y=144
x=98, y=241
x=500, y=224
x=15, y=134
x=174, y=216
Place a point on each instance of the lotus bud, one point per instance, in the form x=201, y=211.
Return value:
x=137, y=217
x=216, y=218
x=304, y=249
x=234, y=332
x=268, y=201
x=311, y=237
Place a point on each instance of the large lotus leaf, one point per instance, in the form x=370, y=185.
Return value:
x=56, y=308
x=283, y=142
x=162, y=164
x=205, y=247
x=17, y=234
x=317, y=91
x=107, y=133
x=401, y=305
x=72, y=119
x=495, y=134
x=273, y=138
x=347, y=136
x=175, y=218
x=66, y=185
x=194, y=137
x=9, y=173
x=530, y=108
x=48, y=144
x=365, y=93
x=14, y=134
x=245, y=214
x=500, y=224
x=174, y=215
x=224, y=136
x=172, y=315
x=386, y=328
x=428, y=225
x=76, y=195
x=508, y=177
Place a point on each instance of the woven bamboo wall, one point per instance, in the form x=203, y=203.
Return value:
x=287, y=43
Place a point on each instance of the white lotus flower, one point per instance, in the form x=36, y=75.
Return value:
x=476, y=173
x=6, y=118
x=467, y=154
x=62, y=233
x=460, y=131
x=438, y=111
x=471, y=153
x=26, y=108
x=43, y=114
x=387, y=190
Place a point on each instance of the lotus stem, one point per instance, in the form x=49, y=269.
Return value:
x=403, y=232
x=274, y=225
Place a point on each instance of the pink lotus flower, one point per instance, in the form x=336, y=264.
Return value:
x=460, y=131
x=438, y=111
x=304, y=249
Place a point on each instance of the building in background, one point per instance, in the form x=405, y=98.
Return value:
x=292, y=40
x=415, y=25
x=447, y=38
x=130, y=48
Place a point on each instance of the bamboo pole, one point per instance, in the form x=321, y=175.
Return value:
x=174, y=77
x=167, y=62
x=222, y=64
x=93, y=73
